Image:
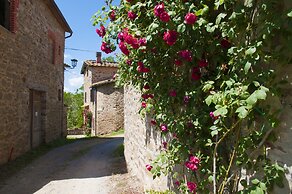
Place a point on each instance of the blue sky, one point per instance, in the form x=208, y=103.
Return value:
x=78, y=14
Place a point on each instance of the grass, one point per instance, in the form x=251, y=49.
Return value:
x=19, y=163
x=119, y=132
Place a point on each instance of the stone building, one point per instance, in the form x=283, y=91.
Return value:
x=102, y=99
x=32, y=38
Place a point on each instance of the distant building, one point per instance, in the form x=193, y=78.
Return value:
x=102, y=99
x=32, y=38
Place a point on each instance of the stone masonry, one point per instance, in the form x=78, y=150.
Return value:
x=142, y=142
x=101, y=98
x=31, y=77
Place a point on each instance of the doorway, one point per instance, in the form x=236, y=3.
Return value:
x=37, y=118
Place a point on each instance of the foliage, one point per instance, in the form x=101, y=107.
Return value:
x=74, y=102
x=206, y=70
x=108, y=59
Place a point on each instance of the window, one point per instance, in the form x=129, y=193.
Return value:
x=84, y=97
x=5, y=13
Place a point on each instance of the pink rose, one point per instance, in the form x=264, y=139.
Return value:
x=149, y=167
x=106, y=48
x=203, y=63
x=194, y=159
x=177, y=183
x=170, y=37
x=124, y=48
x=186, y=55
x=190, y=18
x=192, y=166
x=132, y=15
x=101, y=31
x=163, y=127
x=142, y=68
x=187, y=99
x=192, y=187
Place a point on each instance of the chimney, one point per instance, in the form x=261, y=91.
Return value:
x=98, y=57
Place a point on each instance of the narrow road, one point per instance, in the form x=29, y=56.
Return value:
x=83, y=167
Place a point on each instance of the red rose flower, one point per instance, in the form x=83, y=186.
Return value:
x=143, y=104
x=146, y=87
x=149, y=167
x=172, y=93
x=124, y=48
x=142, y=42
x=159, y=9
x=101, y=31
x=164, y=17
x=129, y=62
x=170, y=37
x=132, y=15
x=112, y=15
x=203, y=63
x=196, y=74
x=186, y=55
x=192, y=187
x=178, y=62
x=225, y=43
x=190, y=18
x=153, y=122
x=106, y=48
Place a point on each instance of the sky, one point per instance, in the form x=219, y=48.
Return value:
x=78, y=14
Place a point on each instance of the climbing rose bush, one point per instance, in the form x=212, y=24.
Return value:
x=205, y=69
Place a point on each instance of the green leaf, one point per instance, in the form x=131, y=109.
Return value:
x=247, y=67
x=181, y=28
x=221, y=111
x=252, y=99
x=250, y=51
x=220, y=17
x=242, y=112
x=263, y=186
x=213, y=133
x=289, y=14
x=261, y=94
x=209, y=100
x=248, y=3
x=255, y=181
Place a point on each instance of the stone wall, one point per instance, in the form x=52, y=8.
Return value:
x=142, y=142
x=109, y=109
x=26, y=64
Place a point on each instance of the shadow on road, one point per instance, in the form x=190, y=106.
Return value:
x=87, y=159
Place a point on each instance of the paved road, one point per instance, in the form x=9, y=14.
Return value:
x=83, y=167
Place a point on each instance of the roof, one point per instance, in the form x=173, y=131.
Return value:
x=59, y=16
x=93, y=63
x=103, y=82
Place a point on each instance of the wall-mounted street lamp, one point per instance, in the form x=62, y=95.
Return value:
x=73, y=64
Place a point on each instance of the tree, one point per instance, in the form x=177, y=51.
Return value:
x=108, y=59
x=74, y=102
